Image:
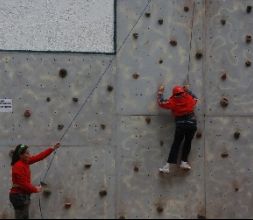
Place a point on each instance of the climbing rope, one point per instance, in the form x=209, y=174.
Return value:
x=90, y=94
x=189, y=61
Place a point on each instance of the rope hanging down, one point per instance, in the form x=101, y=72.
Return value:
x=189, y=61
x=90, y=94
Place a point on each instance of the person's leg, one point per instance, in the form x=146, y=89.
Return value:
x=21, y=205
x=173, y=156
x=189, y=134
x=179, y=136
x=26, y=207
x=22, y=213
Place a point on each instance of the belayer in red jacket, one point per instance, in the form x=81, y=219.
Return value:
x=182, y=104
x=22, y=187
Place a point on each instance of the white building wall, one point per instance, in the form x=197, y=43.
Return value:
x=57, y=25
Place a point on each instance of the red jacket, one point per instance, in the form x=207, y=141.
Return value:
x=179, y=105
x=21, y=173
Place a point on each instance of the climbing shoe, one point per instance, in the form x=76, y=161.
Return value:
x=185, y=166
x=165, y=169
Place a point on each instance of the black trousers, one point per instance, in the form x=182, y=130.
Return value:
x=21, y=203
x=184, y=132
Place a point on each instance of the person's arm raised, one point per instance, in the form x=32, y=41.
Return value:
x=44, y=154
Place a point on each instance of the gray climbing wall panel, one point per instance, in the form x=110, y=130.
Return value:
x=229, y=167
x=107, y=167
x=140, y=187
x=227, y=52
x=228, y=161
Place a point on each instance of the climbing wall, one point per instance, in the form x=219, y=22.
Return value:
x=228, y=124
x=114, y=137
x=143, y=64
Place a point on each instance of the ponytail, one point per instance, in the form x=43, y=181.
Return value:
x=20, y=149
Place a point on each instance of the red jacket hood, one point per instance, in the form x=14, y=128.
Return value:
x=179, y=105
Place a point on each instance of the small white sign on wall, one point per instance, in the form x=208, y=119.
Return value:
x=5, y=105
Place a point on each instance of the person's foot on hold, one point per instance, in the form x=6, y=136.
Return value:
x=185, y=166
x=165, y=169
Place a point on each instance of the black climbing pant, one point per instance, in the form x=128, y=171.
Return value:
x=21, y=203
x=184, y=132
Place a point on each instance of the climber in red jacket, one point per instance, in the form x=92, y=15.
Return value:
x=182, y=104
x=22, y=187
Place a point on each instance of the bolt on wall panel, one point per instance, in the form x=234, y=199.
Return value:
x=142, y=190
x=227, y=72
x=229, y=176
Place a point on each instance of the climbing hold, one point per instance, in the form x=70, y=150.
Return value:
x=109, y=88
x=67, y=205
x=186, y=8
x=87, y=166
x=249, y=9
x=136, y=75
x=160, y=61
x=199, y=55
x=159, y=209
x=248, y=63
x=28, y=114
x=103, y=126
x=224, y=102
x=160, y=21
x=161, y=143
x=63, y=73
x=224, y=76
x=103, y=193
x=135, y=35
x=248, y=39
x=224, y=155
x=75, y=99
x=236, y=186
x=147, y=14
x=136, y=169
x=173, y=43
x=237, y=135
x=48, y=99
x=198, y=135
x=47, y=192
x=148, y=120
x=60, y=127
x=122, y=217
x=223, y=22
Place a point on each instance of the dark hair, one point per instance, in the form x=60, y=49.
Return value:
x=20, y=149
